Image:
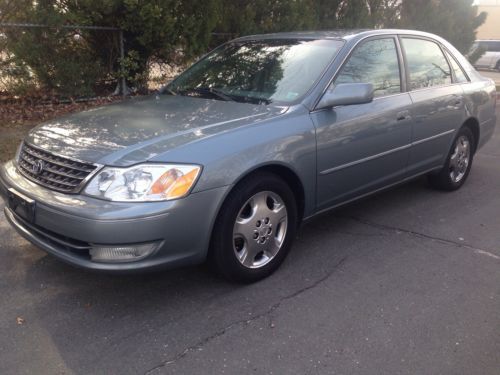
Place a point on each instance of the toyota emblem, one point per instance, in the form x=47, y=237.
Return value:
x=38, y=167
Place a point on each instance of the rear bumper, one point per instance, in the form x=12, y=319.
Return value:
x=67, y=225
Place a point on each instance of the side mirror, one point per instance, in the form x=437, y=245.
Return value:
x=347, y=94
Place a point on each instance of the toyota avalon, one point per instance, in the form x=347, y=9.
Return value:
x=228, y=159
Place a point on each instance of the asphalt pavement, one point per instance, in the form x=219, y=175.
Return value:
x=405, y=282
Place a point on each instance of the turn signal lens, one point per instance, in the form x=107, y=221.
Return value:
x=174, y=184
x=182, y=185
x=165, y=181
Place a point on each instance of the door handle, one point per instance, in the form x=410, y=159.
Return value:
x=403, y=115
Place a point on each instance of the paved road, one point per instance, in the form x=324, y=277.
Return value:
x=407, y=282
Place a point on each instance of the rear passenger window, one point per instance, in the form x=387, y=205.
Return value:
x=376, y=62
x=460, y=76
x=426, y=64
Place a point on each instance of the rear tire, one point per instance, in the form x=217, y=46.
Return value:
x=255, y=229
x=458, y=163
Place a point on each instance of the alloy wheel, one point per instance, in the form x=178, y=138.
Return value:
x=260, y=229
x=460, y=159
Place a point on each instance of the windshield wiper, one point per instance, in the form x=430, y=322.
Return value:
x=169, y=91
x=209, y=90
x=257, y=100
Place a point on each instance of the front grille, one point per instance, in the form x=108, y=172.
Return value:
x=53, y=171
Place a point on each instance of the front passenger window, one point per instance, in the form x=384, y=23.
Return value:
x=376, y=62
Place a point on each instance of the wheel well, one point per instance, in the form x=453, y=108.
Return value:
x=290, y=177
x=473, y=125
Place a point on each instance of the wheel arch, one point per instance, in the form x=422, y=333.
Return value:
x=287, y=174
x=473, y=124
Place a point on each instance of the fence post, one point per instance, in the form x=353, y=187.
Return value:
x=124, y=89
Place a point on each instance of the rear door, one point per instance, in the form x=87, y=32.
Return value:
x=363, y=147
x=438, y=103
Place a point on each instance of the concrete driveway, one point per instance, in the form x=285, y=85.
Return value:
x=406, y=282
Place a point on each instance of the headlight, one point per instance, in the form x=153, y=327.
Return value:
x=143, y=183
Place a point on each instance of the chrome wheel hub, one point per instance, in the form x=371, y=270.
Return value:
x=260, y=229
x=460, y=159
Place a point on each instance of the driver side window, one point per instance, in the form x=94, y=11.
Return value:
x=376, y=62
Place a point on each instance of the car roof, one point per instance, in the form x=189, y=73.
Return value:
x=344, y=34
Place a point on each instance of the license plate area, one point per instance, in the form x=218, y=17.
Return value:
x=21, y=205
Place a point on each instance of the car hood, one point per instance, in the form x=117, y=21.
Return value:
x=127, y=132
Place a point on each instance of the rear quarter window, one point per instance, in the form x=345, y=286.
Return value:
x=460, y=76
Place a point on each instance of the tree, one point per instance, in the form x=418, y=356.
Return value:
x=179, y=30
x=243, y=17
x=454, y=20
x=152, y=29
x=170, y=30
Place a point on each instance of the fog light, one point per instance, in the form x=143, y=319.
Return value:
x=102, y=253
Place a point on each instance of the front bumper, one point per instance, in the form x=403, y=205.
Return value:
x=66, y=225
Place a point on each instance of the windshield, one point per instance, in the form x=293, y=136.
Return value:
x=261, y=71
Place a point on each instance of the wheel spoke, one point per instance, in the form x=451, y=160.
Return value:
x=459, y=160
x=278, y=214
x=243, y=227
x=251, y=252
x=454, y=160
x=260, y=203
x=466, y=147
x=273, y=247
x=243, y=255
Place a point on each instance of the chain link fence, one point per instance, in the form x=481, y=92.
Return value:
x=66, y=61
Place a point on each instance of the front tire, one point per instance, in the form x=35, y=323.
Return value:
x=255, y=228
x=458, y=163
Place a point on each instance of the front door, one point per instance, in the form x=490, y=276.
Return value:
x=361, y=148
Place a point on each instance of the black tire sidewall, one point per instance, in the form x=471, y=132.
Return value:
x=222, y=254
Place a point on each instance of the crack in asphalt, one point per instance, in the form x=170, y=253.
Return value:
x=423, y=235
x=199, y=345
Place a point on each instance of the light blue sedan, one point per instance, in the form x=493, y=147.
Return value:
x=262, y=133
